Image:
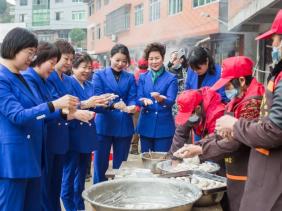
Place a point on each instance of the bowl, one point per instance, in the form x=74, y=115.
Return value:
x=142, y=194
x=151, y=159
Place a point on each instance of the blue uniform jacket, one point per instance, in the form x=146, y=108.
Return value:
x=156, y=120
x=21, y=128
x=112, y=122
x=40, y=86
x=82, y=135
x=58, y=132
x=209, y=80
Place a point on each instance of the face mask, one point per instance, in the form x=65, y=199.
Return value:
x=276, y=55
x=230, y=94
x=194, y=119
x=177, y=66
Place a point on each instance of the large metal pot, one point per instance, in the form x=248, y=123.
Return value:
x=142, y=194
x=150, y=160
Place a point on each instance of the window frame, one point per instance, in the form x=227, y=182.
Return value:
x=139, y=14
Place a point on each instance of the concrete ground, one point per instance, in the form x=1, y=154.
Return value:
x=89, y=182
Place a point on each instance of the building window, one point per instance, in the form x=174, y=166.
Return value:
x=77, y=1
x=23, y=2
x=22, y=18
x=139, y=14
x=41, y=17
x=78, y=15
x=175, y=6
x=58, y=16
x=64, y=34
x=155, y=10
x=198, y=3
x=118, y=20
x=91, y=8
x=104, y=28
x=106, y=2
x=93, y=33
x=98, y=32
x=98, y=5
x=58, y=1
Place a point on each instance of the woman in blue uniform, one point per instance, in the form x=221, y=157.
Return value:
x=114, y=125
x=21, y=119
x=47, y=56
x=203, y=71
x=82, y=137
x=157, y=91
x=59, y=85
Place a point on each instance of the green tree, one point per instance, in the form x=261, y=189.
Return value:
x=77, y=36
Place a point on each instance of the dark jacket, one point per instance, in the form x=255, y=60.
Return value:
x=263, y=190
x=236, y=154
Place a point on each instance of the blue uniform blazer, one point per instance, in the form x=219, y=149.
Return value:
x=82, y=135
x=40, y=86
x=209, y=80
x=112, y=122
x=156, y=120
x=58, y=131
x=21, y=128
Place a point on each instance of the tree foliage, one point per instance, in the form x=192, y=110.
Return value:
x=77, y=35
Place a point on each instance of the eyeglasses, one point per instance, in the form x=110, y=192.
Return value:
x=30, y=53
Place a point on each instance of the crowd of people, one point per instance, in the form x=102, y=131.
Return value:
x=51, y=122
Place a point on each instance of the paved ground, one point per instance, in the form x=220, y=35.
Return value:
x=89, y=183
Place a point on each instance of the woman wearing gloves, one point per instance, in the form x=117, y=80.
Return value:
x=246, y=95
x=157, y=91
x=22, y=117
x=114, y=125
x=264, y=137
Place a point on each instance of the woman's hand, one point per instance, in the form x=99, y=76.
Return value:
x=67, y=102
x=130, y=109
x=146, y=101
x=120, y=105
x=94, y=101
x=188, y=151
x=158, y=97
x=224, y=125
x=82, y=115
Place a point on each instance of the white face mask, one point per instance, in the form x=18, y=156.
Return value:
x=230, y=94
x=177, y=66
x=276, y=54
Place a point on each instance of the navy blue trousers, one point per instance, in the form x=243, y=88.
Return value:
x=51, y=182
x=155, y=144
x=120, y=146
x=75, y=169
x=20, y=194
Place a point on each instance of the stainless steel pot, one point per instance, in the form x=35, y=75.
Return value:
x=150, y=160
x=142, y=194
x=209, y=199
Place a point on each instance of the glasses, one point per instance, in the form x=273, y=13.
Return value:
x=30, y=53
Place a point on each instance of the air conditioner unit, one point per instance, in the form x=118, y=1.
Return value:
x=114, y=38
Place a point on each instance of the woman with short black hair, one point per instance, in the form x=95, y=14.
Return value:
x=21, y=119
x=42, y=66
x=202, y=70
x=114, y=124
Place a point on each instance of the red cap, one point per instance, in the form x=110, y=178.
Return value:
x=187, y=101
x=142, y=62
x=234, y=67
x=276, y=27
